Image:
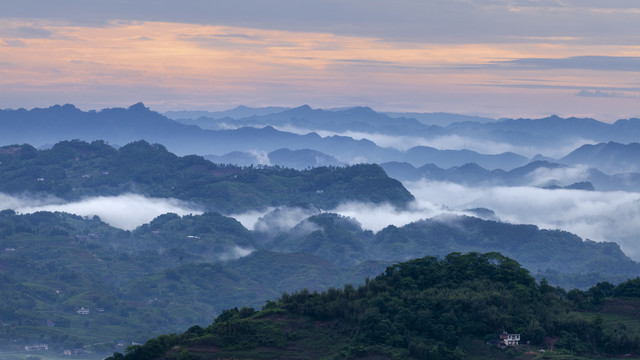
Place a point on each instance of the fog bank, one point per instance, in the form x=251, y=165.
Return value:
x=450, y=142
x=126, y=211
x=594, y=215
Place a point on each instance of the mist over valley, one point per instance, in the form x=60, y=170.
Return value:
x=178, y=222
x=344, y=180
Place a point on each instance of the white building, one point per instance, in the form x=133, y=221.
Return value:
x=510, y=339
x=83, y=311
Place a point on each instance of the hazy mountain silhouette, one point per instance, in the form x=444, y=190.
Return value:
x=535, y=173
x=238, y=112
x=439, y=118
x=356, y=119
x=609, y=157
x=41, y=127
x=295, y=159
x=549, y=131
x=258, y=134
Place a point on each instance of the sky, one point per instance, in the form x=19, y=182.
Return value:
x=496, y=58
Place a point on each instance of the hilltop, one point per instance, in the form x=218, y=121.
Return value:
x=175, y=272
x=421, y=309
x=76, y=169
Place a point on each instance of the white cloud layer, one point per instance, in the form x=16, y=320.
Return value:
x=598, y=216
x=593, y=215
x=376, y=217
x=126, y=211
x=235, y=253
x=566, y=175
x=262, y=158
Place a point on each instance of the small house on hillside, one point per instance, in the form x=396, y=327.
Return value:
x=510, y=339
x=83, y=311
x=37, y=347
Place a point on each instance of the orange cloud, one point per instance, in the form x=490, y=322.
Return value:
x=195, y=63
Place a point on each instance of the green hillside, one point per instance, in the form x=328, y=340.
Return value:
x=180, y=271
x=176, y=272
x=163, y=277
x=75, y=169
x=421, y=309
x=561, y=257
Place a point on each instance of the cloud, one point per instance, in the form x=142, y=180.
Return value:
x=376, y=217
x=126, y=211
x=250, y=218
x=598, y=216
x=24, y=31
x=235, y=253
x=565, y=175
x=262, y=157
x=251, y=56
x=599, y=93
x=605, y=63
x=551, y=85
x=244, y=42
x=281, y=219
x=14, y=43
x=305, y=227
x=413, y=20
x=32, y=32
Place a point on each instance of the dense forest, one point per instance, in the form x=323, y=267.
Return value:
x=75, y=169
x=77, y=283
x=180, y=271
x=162, y=277
x=420, y=309
x=546, y=253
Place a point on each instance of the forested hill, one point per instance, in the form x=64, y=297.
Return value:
x=76, y=169
x=175, y=272
x=421, y=309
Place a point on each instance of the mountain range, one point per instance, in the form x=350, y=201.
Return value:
x=538, y=173
x=345, y=135
x=292, y=169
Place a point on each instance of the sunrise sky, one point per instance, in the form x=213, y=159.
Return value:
x=497, y=58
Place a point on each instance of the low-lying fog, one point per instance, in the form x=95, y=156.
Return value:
x=126, y=211
x=449, y=142
x=598, y=216
x=594, y=215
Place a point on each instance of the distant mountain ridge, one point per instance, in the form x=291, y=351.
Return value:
x=537, y=173
x=440, y=118
x=121, y=126
x=357, y=119
x=608, y=157
x=268, y=131
x=548, y=132
x=240, y=111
